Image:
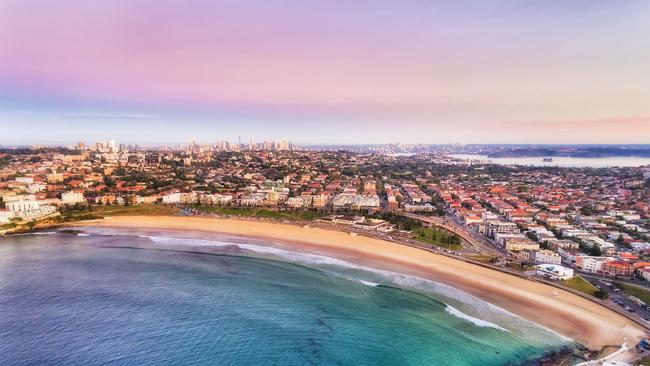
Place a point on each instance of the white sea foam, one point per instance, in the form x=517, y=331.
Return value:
x=481, y=323
x=368, y=283
x=36, y=233
x=82, y=234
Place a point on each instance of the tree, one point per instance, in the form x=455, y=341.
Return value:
x=587, y=211
x=595, y=251
x=31, y=224
x=601, y=294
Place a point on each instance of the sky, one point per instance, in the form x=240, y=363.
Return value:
x=325, y=71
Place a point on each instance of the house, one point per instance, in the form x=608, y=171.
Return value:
x=591, y=264
x=516, y=244
x=5, y=215
x=554, y=272
x=22, y=205
x=295, y=202
x=72, y=197
x=569, y=254
x=501, y=227
x=548, y=257
x=645, y=273
x=562, y=243
x=519, y=216
x=618, y=268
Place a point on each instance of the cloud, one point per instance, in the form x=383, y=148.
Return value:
x=118, y=116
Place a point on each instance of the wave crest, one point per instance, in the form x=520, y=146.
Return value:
x=458, y=303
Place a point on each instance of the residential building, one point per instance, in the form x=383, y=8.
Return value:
x=554, y=272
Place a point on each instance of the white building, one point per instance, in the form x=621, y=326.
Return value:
x=5, y=216
x=548, y=257
x=516, y=244
x=418, y=208
x=25, y=180
x=18, y=197
x=179, y=198
x=70, y=198
x=36, y=213
x=36, y=187
x=22, y=205
x=28, y=209
x=562, y=243
x=356, y=201
x=554, y=272
x=569, y=254
x=501, y=238
x=591, y=264
x=501, y=227
x=295, y=202
x=215, y=199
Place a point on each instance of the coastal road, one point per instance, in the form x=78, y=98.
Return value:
x=449, y=225
x=618, y=298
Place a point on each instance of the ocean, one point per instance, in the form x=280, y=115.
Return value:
x=122, y=298
x=562, y=161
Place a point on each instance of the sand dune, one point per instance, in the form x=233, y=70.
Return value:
x=585, y=321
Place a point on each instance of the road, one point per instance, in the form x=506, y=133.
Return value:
x=616, y=297
x=475, y=240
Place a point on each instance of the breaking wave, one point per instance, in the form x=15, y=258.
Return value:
x=481, y=323
x=458, y=303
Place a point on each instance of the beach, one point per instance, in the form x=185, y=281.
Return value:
x=570, y=315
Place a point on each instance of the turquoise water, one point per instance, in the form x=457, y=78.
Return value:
x=67, y=299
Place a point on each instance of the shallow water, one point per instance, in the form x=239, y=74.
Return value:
x=68, y=299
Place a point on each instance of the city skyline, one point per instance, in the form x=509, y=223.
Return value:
x=324, y=73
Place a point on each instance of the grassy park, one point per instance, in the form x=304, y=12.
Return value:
x=580, y=284
x=438, y=237
x=639, y=292
x=262, y=213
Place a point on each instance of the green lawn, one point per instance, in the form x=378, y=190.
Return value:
x=636, y=291
x=644, y=361
x=98, y=212
x=580, y=284
x=137, y=210
x=482, y=258
x=263, y=213
x=438, y=237
x=516, y=266
x=8, y=226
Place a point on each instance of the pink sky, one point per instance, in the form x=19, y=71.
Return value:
x=469, y=72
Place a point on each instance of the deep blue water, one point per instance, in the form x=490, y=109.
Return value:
x=66, y=299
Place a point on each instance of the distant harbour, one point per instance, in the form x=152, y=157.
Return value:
x=560, y=161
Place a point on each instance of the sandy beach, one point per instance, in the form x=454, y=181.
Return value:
x=585, y=321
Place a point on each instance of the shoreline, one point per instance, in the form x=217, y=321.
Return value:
x=588, y=323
